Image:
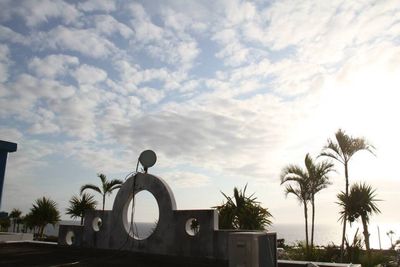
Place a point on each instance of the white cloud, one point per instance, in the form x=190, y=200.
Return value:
x=76, y=115
x=163, y=43
x=145, y=29
x=187, y=51
x=230, y=134
x=181, y=22
x=84, y=41
x=45, y=88
x=26, y=92
x=11, y=134
x=40, y=11
x=52, y=65
x=133, y=76
x=8, y=35
x=86, y=74
x=43, y=122
x=233, y=50
x=187, y=179
x=97, y=5
x=237, y=12
x=4, y=62
x=108, y=25
x=28, y=158
x=150, y=95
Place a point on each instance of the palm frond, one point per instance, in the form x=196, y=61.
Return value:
x=90, y=186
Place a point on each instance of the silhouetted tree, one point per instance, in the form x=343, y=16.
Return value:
x=43, y=212
x=106, y=187
x=242, y=212
x=15, y=215
x=360, y=203
x=342, y=149
x=305, y=184
x=390, y=234
x=78, y=206
x=5, y=224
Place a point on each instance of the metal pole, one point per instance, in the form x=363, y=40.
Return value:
x=379, y=237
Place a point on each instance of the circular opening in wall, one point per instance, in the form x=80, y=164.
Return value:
x=192, y=227
x=70, y=238
x=96, y=224
x=145, y=216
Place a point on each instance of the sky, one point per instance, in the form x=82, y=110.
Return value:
x=227, y=93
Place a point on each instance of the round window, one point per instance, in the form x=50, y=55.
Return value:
x=141, y=216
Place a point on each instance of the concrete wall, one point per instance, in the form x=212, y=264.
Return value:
x=5, y=237
x=70, y=235
x=170, y=237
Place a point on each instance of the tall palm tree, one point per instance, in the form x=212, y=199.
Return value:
x=43, y=212
x=318, y=175
x=78, y=206
x=301, y=191
x=106, y=187
x=15, y=215
x=342, y=150
x=242, y=212
x=305, y=184
x=360, y=203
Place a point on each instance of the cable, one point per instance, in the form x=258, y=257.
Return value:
x=129, y=175
x=132, y=225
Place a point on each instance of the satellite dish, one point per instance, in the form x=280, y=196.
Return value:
x=147, y=158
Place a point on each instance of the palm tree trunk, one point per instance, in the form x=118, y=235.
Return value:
x=14, y=223
x=366, y=234
x=82, y=219
x=306, y=223
x=41, y=230
x=312, y=221
x=346, y=174
x=104, y=201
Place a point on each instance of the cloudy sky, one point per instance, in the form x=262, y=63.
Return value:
x=226, y=92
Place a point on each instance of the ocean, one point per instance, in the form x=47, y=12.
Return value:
x=292, y=233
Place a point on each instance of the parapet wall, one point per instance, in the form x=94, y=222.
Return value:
x=170, y=237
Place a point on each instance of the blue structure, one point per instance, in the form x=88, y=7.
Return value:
x=5, y=148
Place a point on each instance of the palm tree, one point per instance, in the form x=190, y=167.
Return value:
x=308, y=183
x=43, y=212
x=342, y=150
x=4, y=224
x=78, y=206
x=318, y=175
x=106, y=187
x=390, y=234
x=242, y=212
x=28, y=223
x=360, y=203
x=300, y=187
x=15, y=215
x=195, y=226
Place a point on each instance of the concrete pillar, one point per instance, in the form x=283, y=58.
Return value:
x=5, y=148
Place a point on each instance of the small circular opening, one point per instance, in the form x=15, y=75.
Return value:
x=192, y=227
x=141, y=219
x=70, y=238
x=96, y=224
